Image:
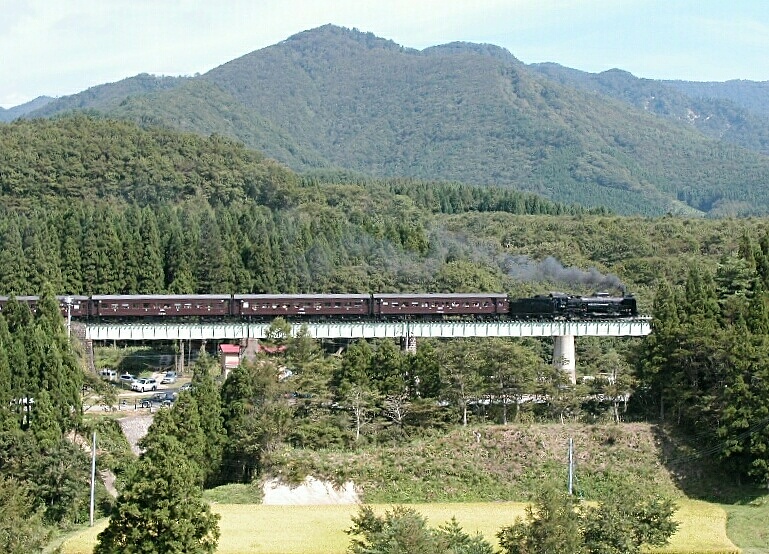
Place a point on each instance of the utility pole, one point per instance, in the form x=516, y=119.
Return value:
x=68, y=301
x=571, y=466
x=93, y=474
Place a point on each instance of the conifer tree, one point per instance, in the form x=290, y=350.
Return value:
x=150, y=274
x=71, y=238
x=13, y=270
x=209, y=405
x=161, y=508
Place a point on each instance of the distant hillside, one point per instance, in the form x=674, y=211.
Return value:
x=751, y=95
x=22, y=110
x=109, y=96
x=88, y=159
x=736, y=114
x=339, y=98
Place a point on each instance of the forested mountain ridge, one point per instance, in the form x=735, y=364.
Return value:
x=736, y=113
x=20, y=111
x=75, y=190
x=333, y=97
x=751, y=95
x=89, y=158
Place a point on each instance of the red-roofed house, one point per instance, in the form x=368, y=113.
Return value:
x=230, y=357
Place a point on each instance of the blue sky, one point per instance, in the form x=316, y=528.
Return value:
x=60, y=47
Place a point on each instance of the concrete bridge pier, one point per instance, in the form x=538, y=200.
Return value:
x=409, y=344
x=564, y=357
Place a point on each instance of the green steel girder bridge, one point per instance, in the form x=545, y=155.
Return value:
x=563, y=331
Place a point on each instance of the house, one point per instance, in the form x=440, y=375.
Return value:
x=229, y=354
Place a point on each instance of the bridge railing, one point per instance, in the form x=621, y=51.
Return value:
x=369, y=329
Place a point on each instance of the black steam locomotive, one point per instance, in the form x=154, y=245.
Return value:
x=258, y=307
x=558, y=304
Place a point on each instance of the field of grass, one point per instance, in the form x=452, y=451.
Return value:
x=258, y=529
x=748, y=525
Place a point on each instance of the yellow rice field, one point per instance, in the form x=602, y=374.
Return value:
x=249, y=528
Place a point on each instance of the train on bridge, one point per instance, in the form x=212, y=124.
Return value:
x=383, y=306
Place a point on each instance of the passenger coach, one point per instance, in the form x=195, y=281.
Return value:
x=308, y=305
x=151, y=305
x=468, y=304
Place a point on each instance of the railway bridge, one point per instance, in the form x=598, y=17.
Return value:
x=564, y=331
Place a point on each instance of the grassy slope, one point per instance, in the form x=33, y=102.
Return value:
x=508, y=463
x=747, y=525
x=475, y=481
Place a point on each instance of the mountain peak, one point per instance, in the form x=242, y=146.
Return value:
x=472, y=48
x=331, y=34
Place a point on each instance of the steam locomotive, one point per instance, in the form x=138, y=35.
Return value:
x=257, y=307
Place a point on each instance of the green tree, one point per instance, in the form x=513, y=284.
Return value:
x=150, y=276
x=250, y=397
x=617, y=383
x=354, y=368
x=58, y=477
x=386, y=369
x=511, y=371
x=161, y=508
x=460, y=375
x=403, y=530
x=13, y=270
x=552, y=526
x=22, y=529
x=209, y=404
x=71, y=272
x=622, y=523
x=626, y=523
x=279, y=331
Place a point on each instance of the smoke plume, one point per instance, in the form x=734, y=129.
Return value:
x=524, y=268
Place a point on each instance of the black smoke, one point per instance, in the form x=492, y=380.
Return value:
x=523, y=268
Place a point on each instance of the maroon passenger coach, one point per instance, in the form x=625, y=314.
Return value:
x=149, y=305
x=309, y=305
x=467, y=304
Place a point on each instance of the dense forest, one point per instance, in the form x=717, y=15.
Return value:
x=97, y=206
x=463, y=112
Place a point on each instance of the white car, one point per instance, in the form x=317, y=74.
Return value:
x=108, y=374
x=144, y=384
x=169, y=378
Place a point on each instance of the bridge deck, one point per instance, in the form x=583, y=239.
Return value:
x=369, y=329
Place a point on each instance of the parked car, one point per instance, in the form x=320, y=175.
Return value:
x=169, y=399
x=165, y=399
x=144, y=384
x=168, y=378
x=127, y=378
x=185, y=386
x=108, y=374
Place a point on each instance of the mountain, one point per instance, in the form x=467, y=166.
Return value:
x=736, y=114
x=24, y=109
x=334, y=98
x=751, y=95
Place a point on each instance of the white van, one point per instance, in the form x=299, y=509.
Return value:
x=108, y=374
x=144, y=384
